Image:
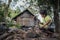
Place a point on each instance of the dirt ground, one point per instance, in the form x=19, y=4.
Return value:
x=23, y=35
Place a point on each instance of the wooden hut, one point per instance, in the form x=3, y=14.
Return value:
x=26, y=18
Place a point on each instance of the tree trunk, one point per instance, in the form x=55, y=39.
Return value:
x=56, y=16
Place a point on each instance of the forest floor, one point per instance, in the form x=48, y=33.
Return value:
x=22, y=35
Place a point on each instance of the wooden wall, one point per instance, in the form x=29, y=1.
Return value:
x=26, y=19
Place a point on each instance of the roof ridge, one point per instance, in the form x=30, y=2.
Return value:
x=22, y=13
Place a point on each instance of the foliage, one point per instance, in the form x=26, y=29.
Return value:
x=10, y=24
x=13, y=13
x=13, y=24
x=18, y=26
x=9, y=13
x=1, y=12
